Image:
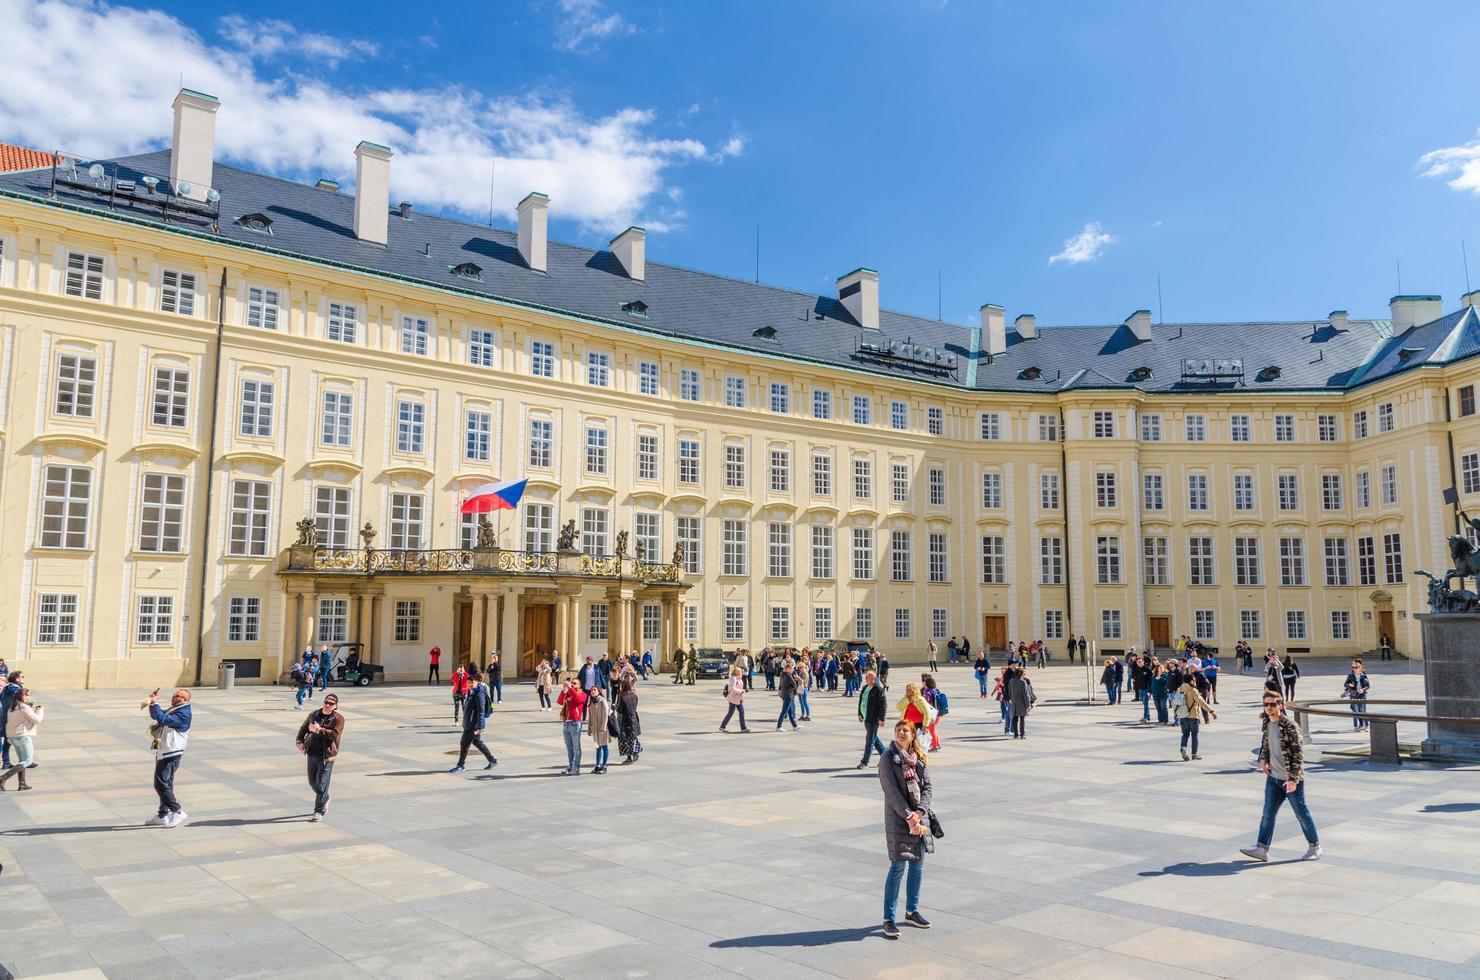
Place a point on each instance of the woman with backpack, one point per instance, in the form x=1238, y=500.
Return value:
x=1189, y=707
x=938, y=700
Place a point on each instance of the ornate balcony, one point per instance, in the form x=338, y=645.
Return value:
x=476, y=561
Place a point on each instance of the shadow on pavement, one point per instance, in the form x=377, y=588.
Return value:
x=1212, y=869
x=1451, y=808
x=816, y=937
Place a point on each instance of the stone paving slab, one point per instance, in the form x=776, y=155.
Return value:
x=1087, y=850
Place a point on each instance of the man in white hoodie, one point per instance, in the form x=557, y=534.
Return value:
x=169, y=730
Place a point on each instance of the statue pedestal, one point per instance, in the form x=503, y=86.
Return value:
x=1451, y=683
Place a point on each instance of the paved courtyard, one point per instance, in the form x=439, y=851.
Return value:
x=1088, y=850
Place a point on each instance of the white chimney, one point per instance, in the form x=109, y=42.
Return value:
x=858, y=291
x=1471, y=300
x=994, y=329
x=534, y=223
x=1340, y=322
x=1026, y=325
x=192, y=154
x=372, y=192
x=1413, y=311
x=630, y=248
x=1140, y=324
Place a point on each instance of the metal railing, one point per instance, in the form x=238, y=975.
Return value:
x=1382, y=727
x=480, y=561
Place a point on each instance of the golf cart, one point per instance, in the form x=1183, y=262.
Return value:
x=351, y=667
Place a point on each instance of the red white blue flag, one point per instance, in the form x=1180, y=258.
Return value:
x=494, y=496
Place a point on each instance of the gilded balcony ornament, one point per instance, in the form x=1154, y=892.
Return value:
x=606, y=566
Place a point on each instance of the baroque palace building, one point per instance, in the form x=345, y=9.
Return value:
x=239, y=415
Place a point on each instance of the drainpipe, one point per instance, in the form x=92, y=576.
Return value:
x=1064, y=504
x=205, y=524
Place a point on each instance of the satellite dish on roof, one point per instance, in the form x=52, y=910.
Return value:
x=68, y=165
x=95, y=171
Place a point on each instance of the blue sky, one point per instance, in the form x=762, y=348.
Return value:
x=1263, y=158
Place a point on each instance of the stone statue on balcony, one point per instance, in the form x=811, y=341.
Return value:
x=308, y=534
x=367, y=535
x=640, y=550
x=678, y=556
x=487, y=538
x=621, y=544
x=567, y=539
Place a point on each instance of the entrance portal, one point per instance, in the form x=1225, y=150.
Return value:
x=994, y=632
x=536, y=636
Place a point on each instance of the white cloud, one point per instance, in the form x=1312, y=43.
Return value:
x=605, y=172
x=584, y=24
x=1459, y=163
x=1086, y=246
x=278, y=38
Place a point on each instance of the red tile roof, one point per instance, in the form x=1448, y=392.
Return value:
x=20, y=158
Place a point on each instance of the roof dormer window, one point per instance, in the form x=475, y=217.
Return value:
x=468, y=270
x=767, y=332
x=1141, y=373
x=1030, y=374
x=1271, y=373
x=1406, y=354
x=256, y=221
x=636, y=307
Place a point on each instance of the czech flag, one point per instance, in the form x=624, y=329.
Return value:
x=494, y=496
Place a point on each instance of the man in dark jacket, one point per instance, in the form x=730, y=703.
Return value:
x=786, y=686
x=1141, y=674
x=318, y=739
x=871, y=711
x=965, y=649
x=589, y=675
x=475, y=718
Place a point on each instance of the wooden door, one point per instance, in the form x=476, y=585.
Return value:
x=1161, y=632
x=994, y=632
x=464, y=642
x=536, y=637
x=1385, y=626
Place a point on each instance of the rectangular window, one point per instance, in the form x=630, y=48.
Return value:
x=901, y=624
x=992, y=491
x=899, y=483
x=480, y=347
x=736, y=543
x=822, y=475
x=1104, y=489
x=735, y=467
x=342, y=322
x=863, y=623
x=258, y=399
x=652, y=622
x=647, y=378
x=821, y=404
x=939, y=623
x=333, y=620
x=778, y=549
x=863, y=553
x=77, y=381
x=822, y=622
x=863, y=479
x=1341, y=624
x=1249, y=625
x=478, y=436
x=598, y=369
x=251, y=514
x=539, y=528
x=1389, y=481
x=243, y=619
x=263, y=308
x=691, y=623
x=542, y=358
x=780, y=623
x=598, y=621
x=1338, y=573
x=56, y=618
x=595, y=528
x=1110, y=624
x=1326, y=428
x=822, y=551
x=1107, y=560
x=734, y=624
x=1048, y=491
x=1359, y=424
x=863, y=410
x=1053, y=624
x=410, y=427
x=1151, y=492
x=1201, y=564
x=688, y=384
x=541, y=443
x=154, y=619
x=1289, y=491
x=1197, y=428
x=84, y=275
x=1051, y=561
x=1204, y=624
x=339, y=415
x=162, y=513
x=780, y=471
x=1048, y=428
x=408, y=621
x=467, y=531
x=596, y=450
x=994, y=560
x=1104, y=425
x=1469, y=471
x=647, y=456
x=1466, y=400
x=1363, y=482
x=1295, y=624
x=1385, y=420
x=901, y=556
x=780, y=398
x=991, y=426
x=688, y=461
x=1392, y=554
x=936, y=478
x=1157, y=566
x=690, y=537
x=734, y=392
x=1238, y=428
x=1151, y=428
x=939, y=557
x=1331, y=491
x=331, y=516
x=415, y=332
x=1292, y=562
x=1197, y=491
x=177, y=293
x=407, y=520
x=66, y=507
x=1284, y=428
x=935, y=421
x=171, y=397
x=1246, y=565
x=1366, y=561
x=899, y=415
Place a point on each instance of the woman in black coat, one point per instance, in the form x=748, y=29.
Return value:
x=628, y=724
x=905, y=779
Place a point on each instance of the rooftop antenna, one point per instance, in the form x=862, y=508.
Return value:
x=1399, y=264
x=492, y=168
x=937, y=296
x=1161, y=316
x=757, y=253
x=1466, y=257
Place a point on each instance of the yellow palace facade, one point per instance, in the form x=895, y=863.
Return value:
x=240, y=414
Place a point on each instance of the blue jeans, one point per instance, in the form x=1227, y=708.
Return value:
x=871, y=742
x=1190, y=727
x=1161, y=709
x=304, y=691
x=498, y=689
x=788, y=710
x=981, y=682
x=1145, y=695
x=1274, y=795
x=1006, y=708
x=603, y=752
x=1359, y=707
x=1112, y=693
x=572, y=732
x=802, y=696
x=911, y=887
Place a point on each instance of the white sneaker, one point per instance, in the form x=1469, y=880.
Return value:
x=1313, y=853
x=155, y=821
x=1256, y=852
x=175, y=819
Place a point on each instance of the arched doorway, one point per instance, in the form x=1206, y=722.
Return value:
x=1382, y=616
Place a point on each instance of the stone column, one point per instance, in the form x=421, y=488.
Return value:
x=508, y=634
x=477, y=643
x=372, y=645
x=291, y=636
x=562, y=623
x=1451, y=683
x=310, y=619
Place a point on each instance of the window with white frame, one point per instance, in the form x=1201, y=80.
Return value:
x=596, y=524
x=863, y=410
x=863, y=623
x=539, y=527
x=647, y=531
x=735, y=547
x=901, y=556
x=1243, y=491
x=688, y=461
x=1152, y=497
x=780, y=471
x=935, y=420
x=1289, y=491
x=1104, y=425
x=1250, y=626
x=162, y=513
x=1385, y=420
x=863, y=479
x=415, y=332
x=56, y=618
x=411, y=424
x=258, y=401
x=598, y=369
x=177, y=292
x=992, y=491
x=652, y=622
x=542, y=358
x=734, y=624
x=1247, y=568
x=84, y=276
x=863, y=553
x=1197, y=428
x=939, y=557
x=1110, y=624
x=1107, y=560
x=1151, y=428
x=734, y=391
x=1292, y=562
x=939, y=623
x=1201, y=564
x=1204, y=624
x=1388, y=477
x=331, y=516
x=1239, y=428
x=1392, y=554
x=1197, y=491
x=780, y=623
x=1362, y=482
x=598, y=621
x=821, y=475
x=899, y=483
x=342, y=323
x=251, y=516
x=1466, y=400
x=734, y=467
x=1326, y=428
x=263, y=308
x=596, y=436
x=1338, y=570
x=338, y=418
x=77, y=385
x=688, y=532
x=333, y=620
x=1469, y=472
x=1156, y=561
x=541, y=443
x=1051, y=560
x=1341, y=624
x=408, y=520
x=691, y=623
x=780, y=398
x=899, y=415
x=990, y=426
x=243, y=619
x=902, y=625
x=689, y=386
x=1359, y=424
x=648, y=377
x=778, y=549
x=171, y=397
x=1295, y=624
x=1284, y=428
x=1048, y=427
x=647, y=456
x=936, y=477
x=154, y=619
x=66, y=507
x=478, y=436
x=823, y=548
x=1048, y=491
x=1104, y=489
x=994, y=559
x=1331, y=491
x=821, y=404
x=480, y=347
x=467, y=531
x=408, y=621
x=822, y=622
x=1366, y=561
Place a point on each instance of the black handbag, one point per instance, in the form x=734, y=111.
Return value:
x=935, y=828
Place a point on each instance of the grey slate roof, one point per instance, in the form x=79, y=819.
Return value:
x=318, y=225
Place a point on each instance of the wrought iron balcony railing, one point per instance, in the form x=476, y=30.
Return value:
x=474, y=561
